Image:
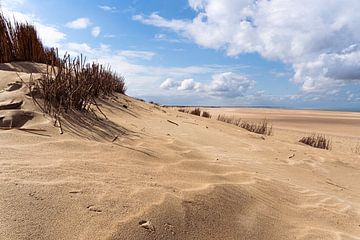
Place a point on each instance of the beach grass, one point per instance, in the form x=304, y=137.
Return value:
x=196, y=112
x=20, y=42
x=183, y=110
x=206, y=114
x=261, y=127
x=317, y=141
x=231, y=120
x=75, y=85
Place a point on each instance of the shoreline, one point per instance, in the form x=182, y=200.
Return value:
x=269, y=107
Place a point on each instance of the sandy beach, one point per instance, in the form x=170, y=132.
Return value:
x=151, y=172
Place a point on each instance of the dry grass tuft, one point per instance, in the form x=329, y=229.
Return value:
x=196, y=112
x=183, y=110
x=154, y=103
x=232, y=120
x=139, y=99
x=260, y=128
x=317, y=141
x=206, y=114
x=6, y=38
x=20, y=42
x=75, y=85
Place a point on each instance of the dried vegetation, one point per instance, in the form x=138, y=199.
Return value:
x=317, y=141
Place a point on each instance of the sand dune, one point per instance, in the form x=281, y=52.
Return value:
x=136, y=175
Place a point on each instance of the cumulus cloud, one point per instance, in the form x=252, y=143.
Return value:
x=80, y=23
x=189, y=85
x=224, y=85
x=328, y=70
x=229, y=85
x=96, y=31
x=168, y=84
x=319, y=39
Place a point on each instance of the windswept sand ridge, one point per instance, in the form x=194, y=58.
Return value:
x=200, y=179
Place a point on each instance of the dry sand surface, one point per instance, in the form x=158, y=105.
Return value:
x=137, y=175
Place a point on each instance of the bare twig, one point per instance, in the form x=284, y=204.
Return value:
x=95, y=103
x=173, y=122
x=59, y=124
x=115, y=138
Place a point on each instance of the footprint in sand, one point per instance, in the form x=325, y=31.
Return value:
x=92, y=208
x=36, y=196
x=147, y=225
x=14, y=86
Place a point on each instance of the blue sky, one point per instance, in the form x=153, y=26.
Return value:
x=207, y=52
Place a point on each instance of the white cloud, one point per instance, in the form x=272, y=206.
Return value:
x=328, y=70
x=155, y=19
x=189, y=85
x=165, y=38
x=319, y=39
x=229, y=85
x=130, y=54
x=168, y=84
x=107, y=8
x=75, y=49
x=50, y=35
x=224, y=85
x=8, y=3
x=160, y=36
x=96, y=31
x=80, y=23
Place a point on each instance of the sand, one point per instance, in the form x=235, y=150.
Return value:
x=137, y=175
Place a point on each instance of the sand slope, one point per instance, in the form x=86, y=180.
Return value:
x=138, y=176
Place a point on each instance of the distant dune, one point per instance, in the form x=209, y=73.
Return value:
x=136, y=175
